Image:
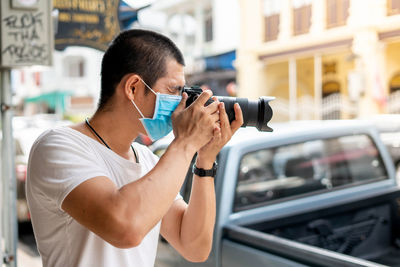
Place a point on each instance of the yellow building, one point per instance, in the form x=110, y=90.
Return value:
x=321, y=59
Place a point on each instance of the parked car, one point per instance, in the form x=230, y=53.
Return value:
x=24, y=139
x=26, y=130
x=389, y=128
x=308, y=194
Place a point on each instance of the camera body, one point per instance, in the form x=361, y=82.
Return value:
x=255, y=113
x=193, y=93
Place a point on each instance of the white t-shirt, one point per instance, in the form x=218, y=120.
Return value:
x=60, y=160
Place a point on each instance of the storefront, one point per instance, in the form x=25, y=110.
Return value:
x=217, y=73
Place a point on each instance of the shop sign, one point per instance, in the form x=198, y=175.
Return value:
x=91, y=23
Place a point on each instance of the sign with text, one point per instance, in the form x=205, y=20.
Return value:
x=26, y=33
x=91, y=23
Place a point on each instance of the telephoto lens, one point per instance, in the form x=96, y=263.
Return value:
x=256, y=113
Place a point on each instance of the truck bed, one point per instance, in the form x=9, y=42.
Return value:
x=362, y=233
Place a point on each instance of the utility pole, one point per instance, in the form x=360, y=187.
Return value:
x=26, y=39
x=9, y=218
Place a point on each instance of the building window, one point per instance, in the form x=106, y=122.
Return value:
x=393, y=7
x=272, y=9
x=208, y=26
x=393, y=105
x=74, y=66
x=329, y=88
x=301, y=16
x=337, y=12
x=395, y=83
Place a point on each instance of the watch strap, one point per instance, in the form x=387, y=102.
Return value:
x=205, y=173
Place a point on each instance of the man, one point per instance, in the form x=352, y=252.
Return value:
x=96, y=199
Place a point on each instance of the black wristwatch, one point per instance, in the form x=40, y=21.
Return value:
x=205, y=173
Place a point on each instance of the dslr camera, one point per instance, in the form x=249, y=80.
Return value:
x=256, y=113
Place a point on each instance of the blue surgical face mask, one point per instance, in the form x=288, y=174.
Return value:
x=160, y=125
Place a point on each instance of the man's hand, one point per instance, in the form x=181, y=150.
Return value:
x=222, y=134
x=195, y=125
x=189, y=227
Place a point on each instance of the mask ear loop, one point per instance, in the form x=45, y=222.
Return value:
x=148, y=86
x=157, y=96
x=141, y=114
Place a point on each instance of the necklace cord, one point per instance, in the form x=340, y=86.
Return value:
x=104, y=142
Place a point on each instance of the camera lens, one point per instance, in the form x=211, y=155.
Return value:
x=256, y=113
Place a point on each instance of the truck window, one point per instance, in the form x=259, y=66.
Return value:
x=296, y=170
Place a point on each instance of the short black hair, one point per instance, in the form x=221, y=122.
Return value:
x=142, y=52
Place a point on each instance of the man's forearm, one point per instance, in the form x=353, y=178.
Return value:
x=148, y=199
x=199, y=218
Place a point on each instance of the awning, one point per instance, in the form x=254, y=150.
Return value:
x=55, y=100
x=221, y=61
x=199, y=78
x=128, y=15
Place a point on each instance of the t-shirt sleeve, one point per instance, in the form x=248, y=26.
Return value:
x=59, y=163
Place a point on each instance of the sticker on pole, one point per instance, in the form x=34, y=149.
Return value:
x=26, y=33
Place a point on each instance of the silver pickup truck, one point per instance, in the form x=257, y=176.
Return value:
x=308, y=194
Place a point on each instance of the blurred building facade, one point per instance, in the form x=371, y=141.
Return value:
x=321, y=59
x=207, y=32
x=70, y=87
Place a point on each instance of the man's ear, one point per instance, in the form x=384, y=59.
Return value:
x=132, y=86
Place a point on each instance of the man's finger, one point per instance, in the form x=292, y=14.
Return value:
x=238, y=118
x=202, y=99
x=214, y=117
x=217, y=133
x=182, y=105
x=223, y=117
x=213, y=107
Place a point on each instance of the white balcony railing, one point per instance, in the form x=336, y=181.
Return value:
x=332, y=108
x=394, y=102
